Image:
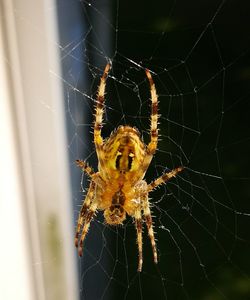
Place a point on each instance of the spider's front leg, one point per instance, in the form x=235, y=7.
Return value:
x=99, y=109
x=152, y=146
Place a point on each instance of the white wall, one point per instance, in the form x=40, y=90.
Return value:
x=37, y=256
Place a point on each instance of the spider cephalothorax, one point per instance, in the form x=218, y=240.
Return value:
x=118, y=188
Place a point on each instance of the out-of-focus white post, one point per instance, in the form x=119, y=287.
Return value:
x=36, y=218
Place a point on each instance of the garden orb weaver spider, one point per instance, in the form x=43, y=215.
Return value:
x=118, y=188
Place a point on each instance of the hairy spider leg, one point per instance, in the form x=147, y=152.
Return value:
x=149, y=223
x=163, y=178
x=138, y=225
x=85, y=167
x=88, y=218
x=152, y=146
x=84, y=211
x=99, y=110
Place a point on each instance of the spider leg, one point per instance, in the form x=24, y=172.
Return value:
x=149, y=223
x=84, y=211
x=138, y=225
x=154, y=116
x=99, y=109
x=152, y=146
x=85, y=167
x=163, y=178
x=88, y=219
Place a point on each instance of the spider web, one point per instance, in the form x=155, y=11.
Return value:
x=198, y=53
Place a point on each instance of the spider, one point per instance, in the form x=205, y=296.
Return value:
x=118, y=188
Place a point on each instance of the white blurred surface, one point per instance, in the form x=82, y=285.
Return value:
x=15, y=281
x=37, y=257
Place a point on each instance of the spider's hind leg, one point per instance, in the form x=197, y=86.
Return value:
x=138, y=225
x=149, y=223
x=84, y=214
x=144, y=209
x=88, y=218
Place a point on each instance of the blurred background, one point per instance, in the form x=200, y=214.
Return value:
x=52, y=55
